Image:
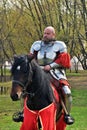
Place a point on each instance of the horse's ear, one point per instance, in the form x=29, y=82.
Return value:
x=15, y=56
x=30, y=57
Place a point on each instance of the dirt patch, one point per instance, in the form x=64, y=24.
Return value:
x=78, y=82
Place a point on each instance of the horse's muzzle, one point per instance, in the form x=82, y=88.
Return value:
x=14, y=97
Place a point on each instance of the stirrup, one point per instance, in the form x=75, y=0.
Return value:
x=69, y=120
x=18, y=117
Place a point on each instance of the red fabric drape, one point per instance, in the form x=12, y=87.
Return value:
x=64, y=60
x=46, y=115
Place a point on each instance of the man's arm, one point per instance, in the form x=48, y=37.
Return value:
x=63, y=60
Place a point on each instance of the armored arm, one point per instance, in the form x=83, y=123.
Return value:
x=62, y=58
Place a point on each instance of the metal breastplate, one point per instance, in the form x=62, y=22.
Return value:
x=46, y=54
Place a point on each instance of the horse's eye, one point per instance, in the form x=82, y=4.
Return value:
x=18, y=68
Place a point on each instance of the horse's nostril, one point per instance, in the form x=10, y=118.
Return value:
x=14, y=97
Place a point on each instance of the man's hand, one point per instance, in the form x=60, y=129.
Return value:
x=47, y=68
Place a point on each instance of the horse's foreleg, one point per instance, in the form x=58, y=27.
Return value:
x=30, y=119
x=47, y=117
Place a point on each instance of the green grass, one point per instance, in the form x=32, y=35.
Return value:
x=80, y=115
x=6, y=84
x=79, y=106
x=7, y=105
x=6, y=122
x=79, y=111
x=73, y=73
x=7, y=108
x=79, y=97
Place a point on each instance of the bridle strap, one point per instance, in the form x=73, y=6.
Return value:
x=18, y=82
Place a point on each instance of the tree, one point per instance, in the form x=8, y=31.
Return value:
x=23, y=22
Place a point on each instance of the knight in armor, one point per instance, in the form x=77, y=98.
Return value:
x=52, y=56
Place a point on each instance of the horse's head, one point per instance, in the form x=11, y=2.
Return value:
x=20, y=75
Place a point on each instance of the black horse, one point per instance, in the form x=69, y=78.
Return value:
x=40, y=102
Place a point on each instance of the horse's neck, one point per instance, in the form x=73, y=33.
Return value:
x=41, y=89
x=37, y=77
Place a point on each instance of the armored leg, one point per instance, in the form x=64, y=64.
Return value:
x=67, y=98
x=68, y=102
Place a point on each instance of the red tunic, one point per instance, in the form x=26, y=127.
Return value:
x=46, y=115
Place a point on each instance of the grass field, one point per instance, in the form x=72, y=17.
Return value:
x=79, y=106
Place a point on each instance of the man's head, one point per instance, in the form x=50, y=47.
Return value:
x=49, y=34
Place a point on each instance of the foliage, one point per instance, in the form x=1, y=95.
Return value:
x=23, y=22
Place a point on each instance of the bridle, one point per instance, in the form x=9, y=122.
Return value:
x=28, y=82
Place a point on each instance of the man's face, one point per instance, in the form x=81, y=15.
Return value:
x=48, y=35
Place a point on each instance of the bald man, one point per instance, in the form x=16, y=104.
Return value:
x=52, y=56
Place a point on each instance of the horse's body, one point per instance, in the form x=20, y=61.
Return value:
x=40, y=102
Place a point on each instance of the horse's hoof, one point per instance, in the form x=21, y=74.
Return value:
x=69, y=120
x=18, y=117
